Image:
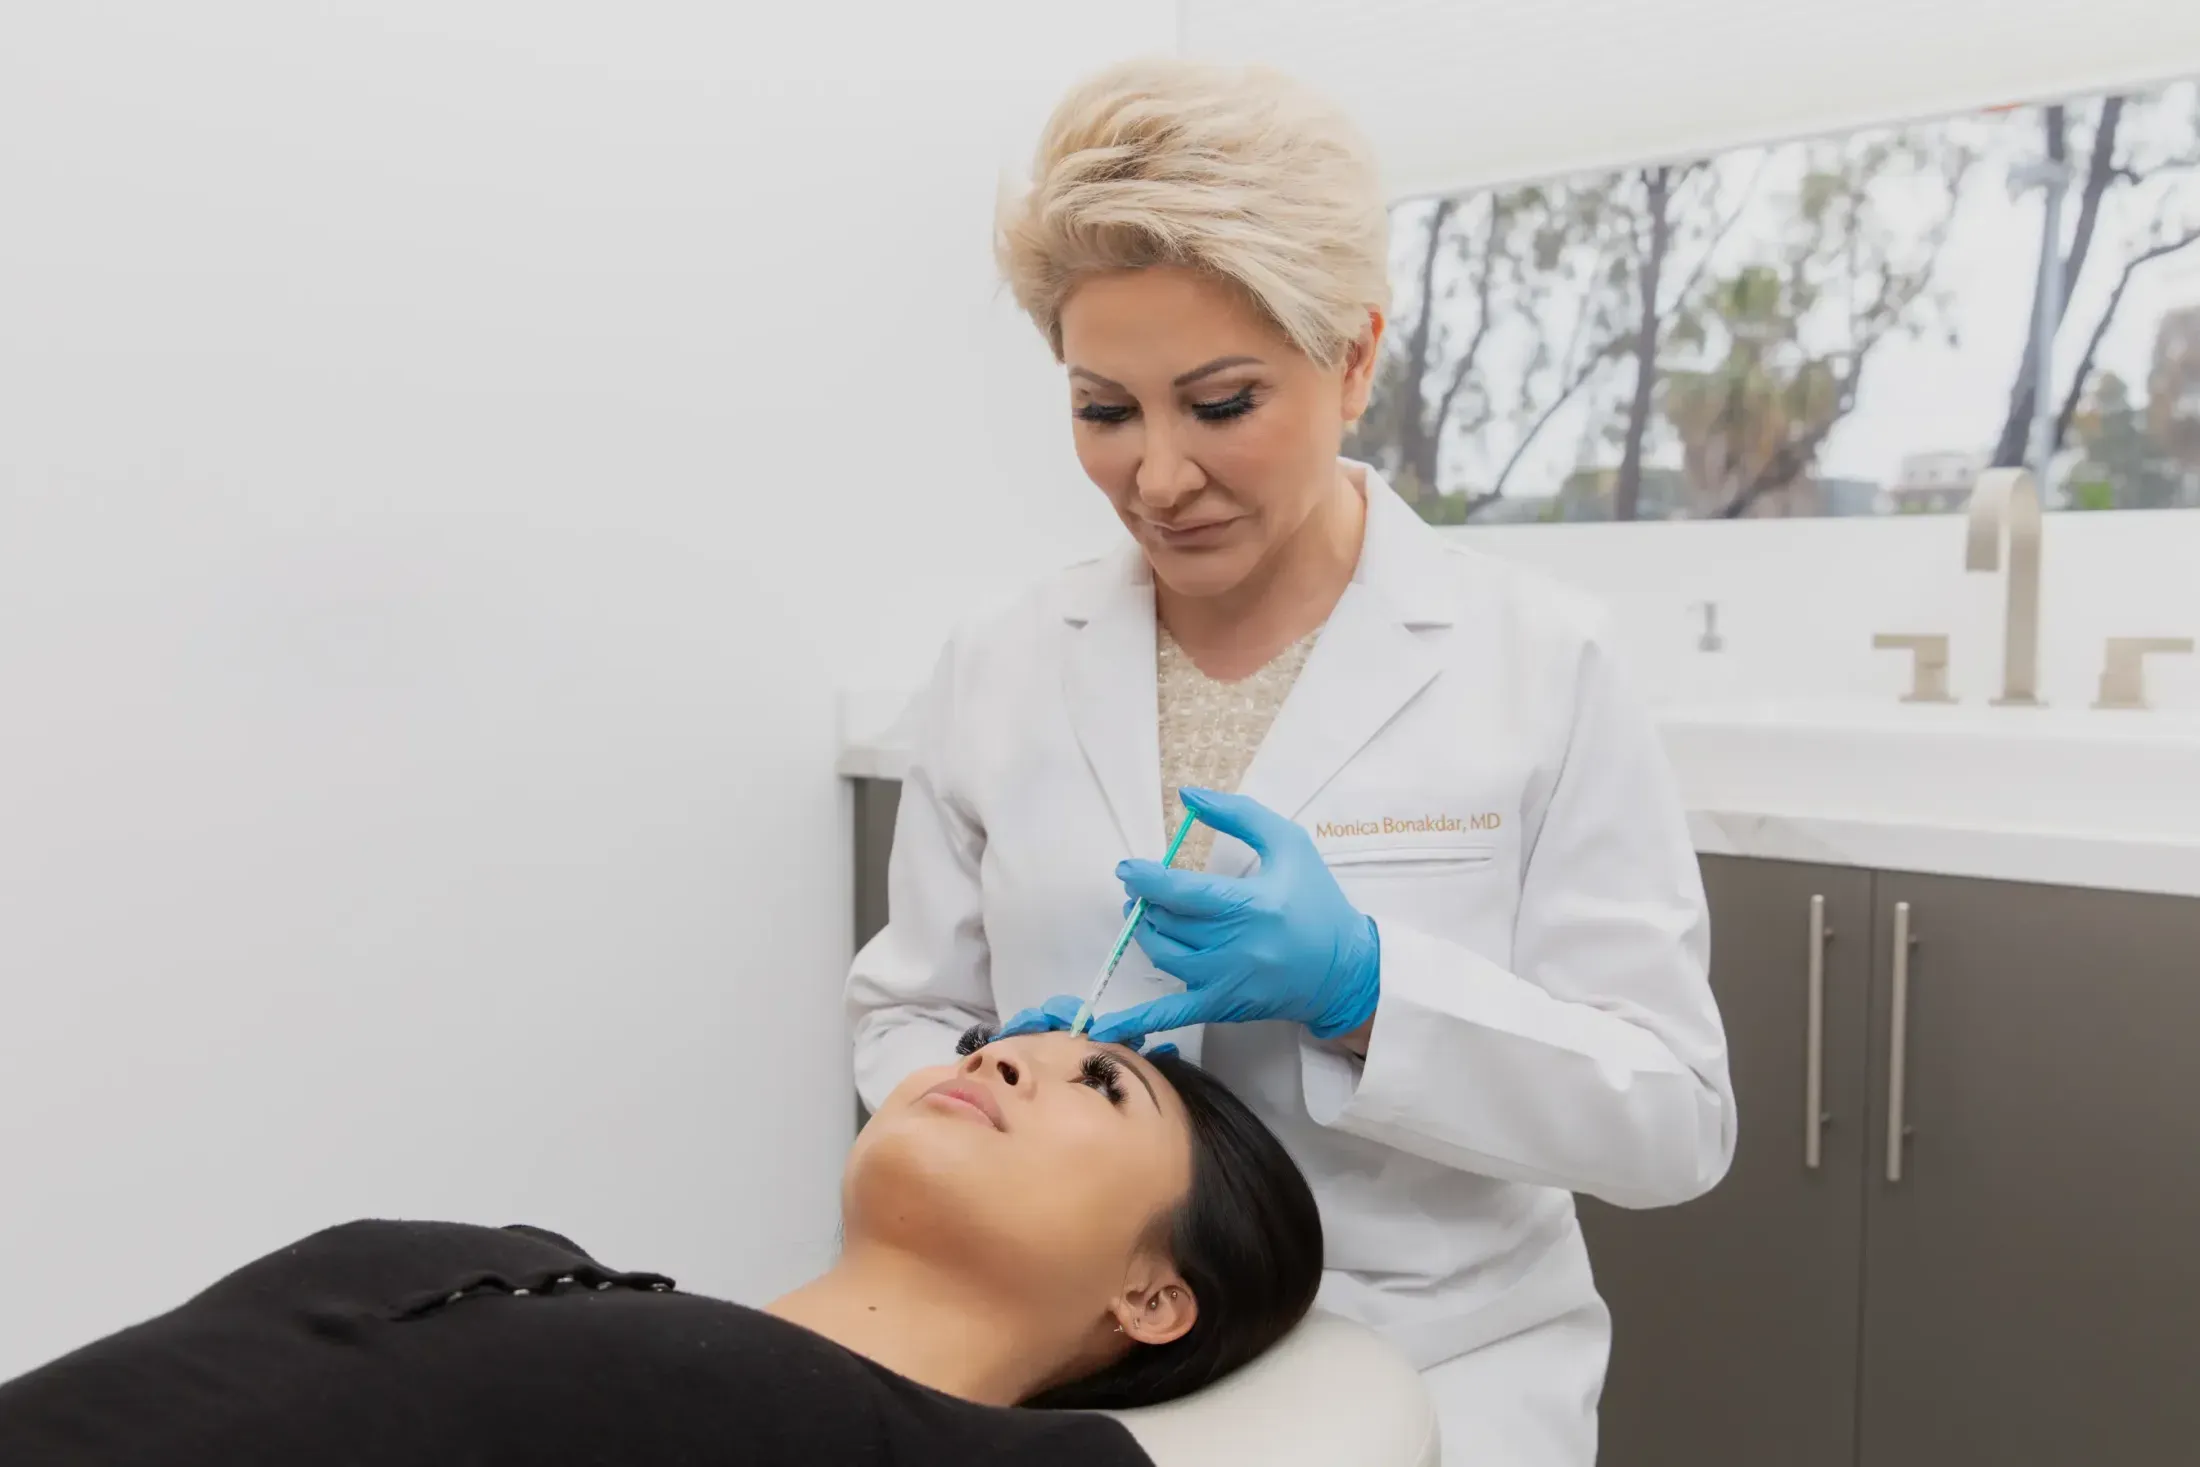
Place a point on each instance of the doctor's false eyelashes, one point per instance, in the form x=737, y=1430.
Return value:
x=1099, y=1070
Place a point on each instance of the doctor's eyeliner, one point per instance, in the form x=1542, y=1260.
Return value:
x=1237, y=405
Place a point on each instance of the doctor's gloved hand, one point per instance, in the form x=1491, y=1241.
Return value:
x=1058, y=1013
x=1281, y=943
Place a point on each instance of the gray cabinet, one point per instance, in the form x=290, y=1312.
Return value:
x=1735, y=1318
x=877, y=801
x=2032, y=1285
x=2022, y=1289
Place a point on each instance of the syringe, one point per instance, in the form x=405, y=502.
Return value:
x=1091, y=1006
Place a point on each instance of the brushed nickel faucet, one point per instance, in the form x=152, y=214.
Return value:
x=2123, y=675
x=1928, y=663
x=2007, y=501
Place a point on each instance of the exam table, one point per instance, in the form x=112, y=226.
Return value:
x=1332, y=1393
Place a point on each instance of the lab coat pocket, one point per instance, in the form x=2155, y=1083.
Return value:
x=1408, y=860
x=1449, y=889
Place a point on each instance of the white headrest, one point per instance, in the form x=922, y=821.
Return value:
x=1332, y=1392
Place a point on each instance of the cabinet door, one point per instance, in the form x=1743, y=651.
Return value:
x=877, y=802
x=1734, y=1318
x=2033, y=1277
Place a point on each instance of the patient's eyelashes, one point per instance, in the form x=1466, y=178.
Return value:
x=975, y=1038
x=1104, y=1073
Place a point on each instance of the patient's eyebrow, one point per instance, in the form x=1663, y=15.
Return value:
x=1138, y=1071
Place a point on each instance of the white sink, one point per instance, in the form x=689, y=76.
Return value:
x=2067, y=771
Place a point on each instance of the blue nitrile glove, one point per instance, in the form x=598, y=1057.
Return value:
x=1282, y=943
x=1058, y=1013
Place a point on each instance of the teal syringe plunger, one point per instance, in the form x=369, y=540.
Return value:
x=1091, y=1005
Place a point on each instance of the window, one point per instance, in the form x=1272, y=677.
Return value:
x=1830, y=327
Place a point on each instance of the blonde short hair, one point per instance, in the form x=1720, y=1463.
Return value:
x=1236, y=171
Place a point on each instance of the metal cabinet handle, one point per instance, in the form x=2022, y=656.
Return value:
x=1898, y=1041
x=1814, y=1051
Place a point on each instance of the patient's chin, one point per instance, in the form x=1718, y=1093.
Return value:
x=940, y=1185
x=921, y=1166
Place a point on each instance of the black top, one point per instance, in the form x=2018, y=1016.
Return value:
x=382, y=1344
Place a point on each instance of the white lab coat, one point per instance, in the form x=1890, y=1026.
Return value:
x=1468, y=760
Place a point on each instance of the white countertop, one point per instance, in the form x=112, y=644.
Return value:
x=2065, y=797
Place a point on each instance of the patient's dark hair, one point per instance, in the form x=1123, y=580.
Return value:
x=1248, y=1241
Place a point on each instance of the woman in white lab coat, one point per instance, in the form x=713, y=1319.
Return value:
x=1441, y=923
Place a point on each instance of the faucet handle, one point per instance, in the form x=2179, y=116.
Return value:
x=1928, y=664
x=2123, y=671
x=1710, y=641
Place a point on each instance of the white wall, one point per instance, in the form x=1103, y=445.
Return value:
x=434, y=437
x=1800, y=600
x=1459, y=92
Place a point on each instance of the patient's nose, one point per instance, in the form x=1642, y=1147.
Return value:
x=1000, y=1064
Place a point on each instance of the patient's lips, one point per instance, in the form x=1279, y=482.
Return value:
x=967, y=1096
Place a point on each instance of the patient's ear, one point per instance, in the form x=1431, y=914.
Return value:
x=1157, y=1307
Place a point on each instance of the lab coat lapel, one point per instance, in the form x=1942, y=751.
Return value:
x=1378, y=650
x=1114, y=706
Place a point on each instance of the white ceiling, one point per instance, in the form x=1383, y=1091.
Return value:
x=1459, y=92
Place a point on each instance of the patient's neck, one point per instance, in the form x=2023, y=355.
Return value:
x=934, y=1326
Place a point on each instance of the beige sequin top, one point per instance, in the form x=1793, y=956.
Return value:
x=1210, y=730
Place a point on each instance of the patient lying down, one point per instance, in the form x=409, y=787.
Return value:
x=1047, y=1223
